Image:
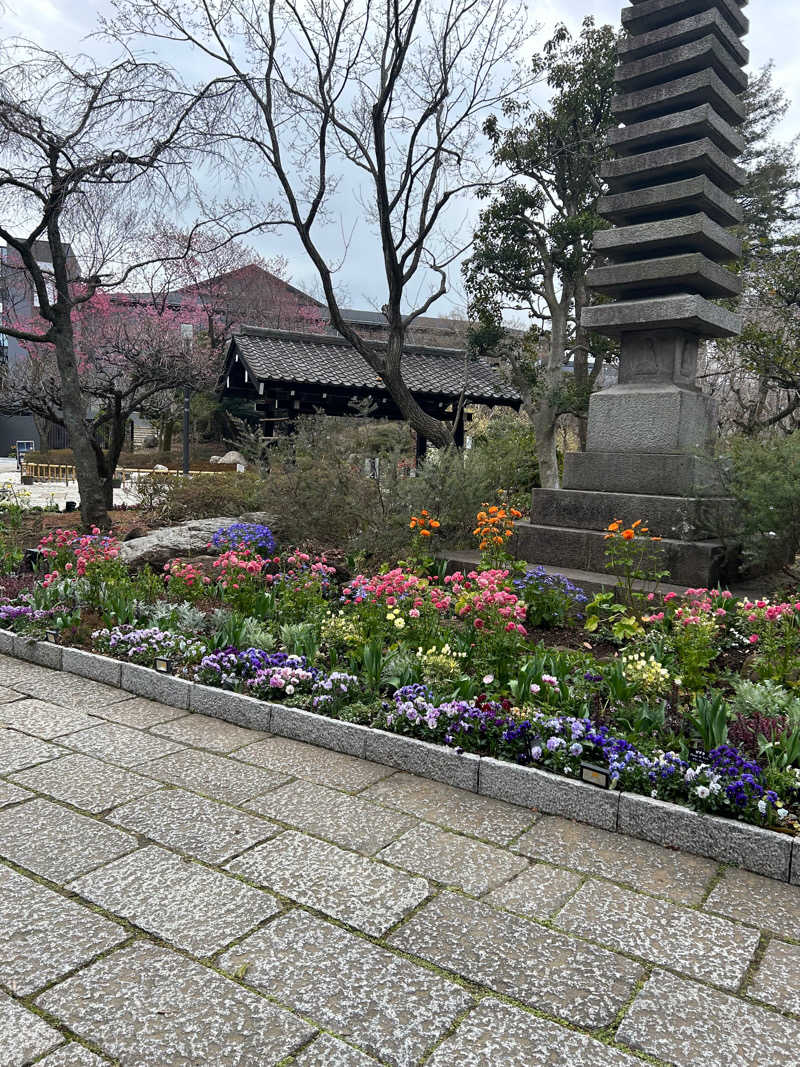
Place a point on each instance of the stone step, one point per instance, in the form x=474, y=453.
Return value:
x=688, y=562
x=664, y=237
x=590, y=581
x=712, y=21
x=650, y=473
x=647, y=15
x=692, y=272
x=693, y=90
x=674, y=162
x=687, y=196
x=684, y=311
x=681, y=518
x=707, y=53
x=689, y=125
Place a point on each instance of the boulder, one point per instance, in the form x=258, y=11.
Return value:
x=160, y=467
x=215, y=459
x=187, y=539
x=234, y=457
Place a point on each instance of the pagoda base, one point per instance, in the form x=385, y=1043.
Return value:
x=689, y=563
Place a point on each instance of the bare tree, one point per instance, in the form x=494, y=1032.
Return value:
x=84, y=152
x=384, y=102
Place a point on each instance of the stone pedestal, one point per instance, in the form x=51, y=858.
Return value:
x=670, y=199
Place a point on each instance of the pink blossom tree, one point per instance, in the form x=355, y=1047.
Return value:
x=126, y=356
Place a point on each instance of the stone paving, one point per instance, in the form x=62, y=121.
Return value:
x=178, y=890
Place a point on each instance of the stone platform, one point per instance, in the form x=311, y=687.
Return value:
x=176, y=889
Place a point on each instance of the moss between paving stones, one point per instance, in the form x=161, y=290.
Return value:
x=751, y=847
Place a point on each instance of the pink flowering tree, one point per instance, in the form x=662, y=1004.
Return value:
x=126, y=356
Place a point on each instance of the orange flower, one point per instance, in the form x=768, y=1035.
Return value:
x=435, y=524
x=633, y=524
x=628, y=535
x=424, y=533
x=613, y=526
x=516, y=514
x=655, y=538
x=493, y=509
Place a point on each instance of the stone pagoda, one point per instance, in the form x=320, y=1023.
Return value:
x=661, y=266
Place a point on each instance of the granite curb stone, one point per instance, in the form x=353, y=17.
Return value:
x=421, y=757
x=532, y=788
x=347, y=737
x=7, y=642
x=237, y=708
x=751, y=847
x=761, y=851
x=40, y=652
x=91, y=665
x=155, y=686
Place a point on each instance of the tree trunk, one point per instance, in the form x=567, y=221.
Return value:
x=90, y=484
x=167, y=427
x=546, y=412
x=544, y=425
x=434, y=430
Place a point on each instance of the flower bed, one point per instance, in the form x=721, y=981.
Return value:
x=696, y=705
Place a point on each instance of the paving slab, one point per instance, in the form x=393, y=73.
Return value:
x=389, y=1006
x=301, y=760
x=42, y=719
x=138, y=712
x=540, y=891
x=498, y=1034
x=703, y=946
x=326, y=1051
x=85, y=782
x=23, y=1035
x=214, y=776
x=7, y=695
x=12, y=794
x=777, y=980
x=72, y=692
x=194, y=908
x=360, y=892
x=453, y=859
x=19, y=750
x=688, y=1024
x=146, y=1005
x=339, y=817
x=203, y=731
x=641, y=864
x=120, y=744
x=18, y=672
x=521, y=959
x=73, y=1055
x=44, y=935
x=764, y=902
x=58, y=843
x=206, y=829
x=456, y=809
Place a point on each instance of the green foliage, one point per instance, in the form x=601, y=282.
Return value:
x=709, y=717
x=764, y=478
x=175, y=498
x=764, y=699
x=607, y=617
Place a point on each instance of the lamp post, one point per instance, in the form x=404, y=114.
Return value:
x=187, y=335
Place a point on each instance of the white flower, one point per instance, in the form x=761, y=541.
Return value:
x=702, y=791
x=781, y=813
x=762, y=807
x=399, y=624
x=488, y=679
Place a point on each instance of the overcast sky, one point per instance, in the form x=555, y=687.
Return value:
x=774, y=35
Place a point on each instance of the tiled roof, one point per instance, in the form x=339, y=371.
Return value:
x=320, y=359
